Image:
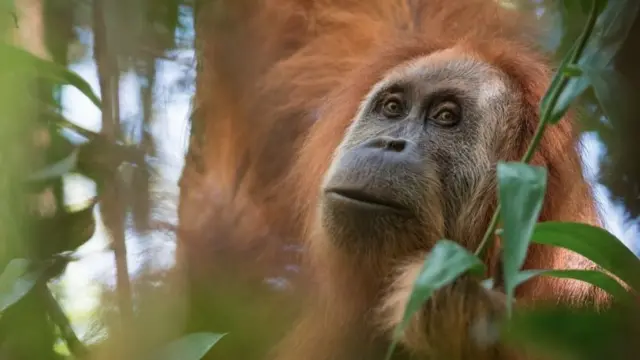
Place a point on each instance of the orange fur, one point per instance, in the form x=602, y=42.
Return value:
x=280, y=82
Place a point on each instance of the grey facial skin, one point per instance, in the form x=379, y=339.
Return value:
x=420, y=149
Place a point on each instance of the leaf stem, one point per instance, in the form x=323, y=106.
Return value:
x=488, y=238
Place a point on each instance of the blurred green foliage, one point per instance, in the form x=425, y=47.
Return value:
x=37, y=223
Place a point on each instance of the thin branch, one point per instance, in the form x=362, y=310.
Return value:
x=112, y=206
x=488, y=239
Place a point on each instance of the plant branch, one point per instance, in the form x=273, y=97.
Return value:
x=488, y=238
x=112, y=207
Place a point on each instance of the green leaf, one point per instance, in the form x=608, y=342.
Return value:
x=521, y=189
x=15, y=282
x=609, y=33
x=446, y=262
x=573, y=88
x=560, y=331
x=8, y=15
x=594, y=243
x=611, y=90
x=594, y=277
x=572, y=70
x=191, y=347
x=50, y=69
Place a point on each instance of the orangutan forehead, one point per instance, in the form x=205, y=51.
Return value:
x=450, y=68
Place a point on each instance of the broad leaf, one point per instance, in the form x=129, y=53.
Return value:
x=446, y=262
x=49, y=69
x=611, y=90
x=521, y=189
x=15, y=282
x=574, y=87
x=191, y=347
x=594, y=277
x=8, y=15
x=594, y=243
x=609, y=33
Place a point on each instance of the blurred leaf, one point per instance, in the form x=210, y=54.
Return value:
x=609, y=32
x=191, y=347
x=58, y=169
x=50, y=69
x=54, y=266
x=8, y=16
x=575, y=85
x=61, y=157
x=8, y=9
x=15, y=282
x=563, y=332
x=521, y=189
x=594, y=243
x=53, y=116
x=611, y=90
x=594, y=277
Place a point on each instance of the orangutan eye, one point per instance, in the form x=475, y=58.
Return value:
x=393, y=107
x=445, y=114
x=446, y=117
